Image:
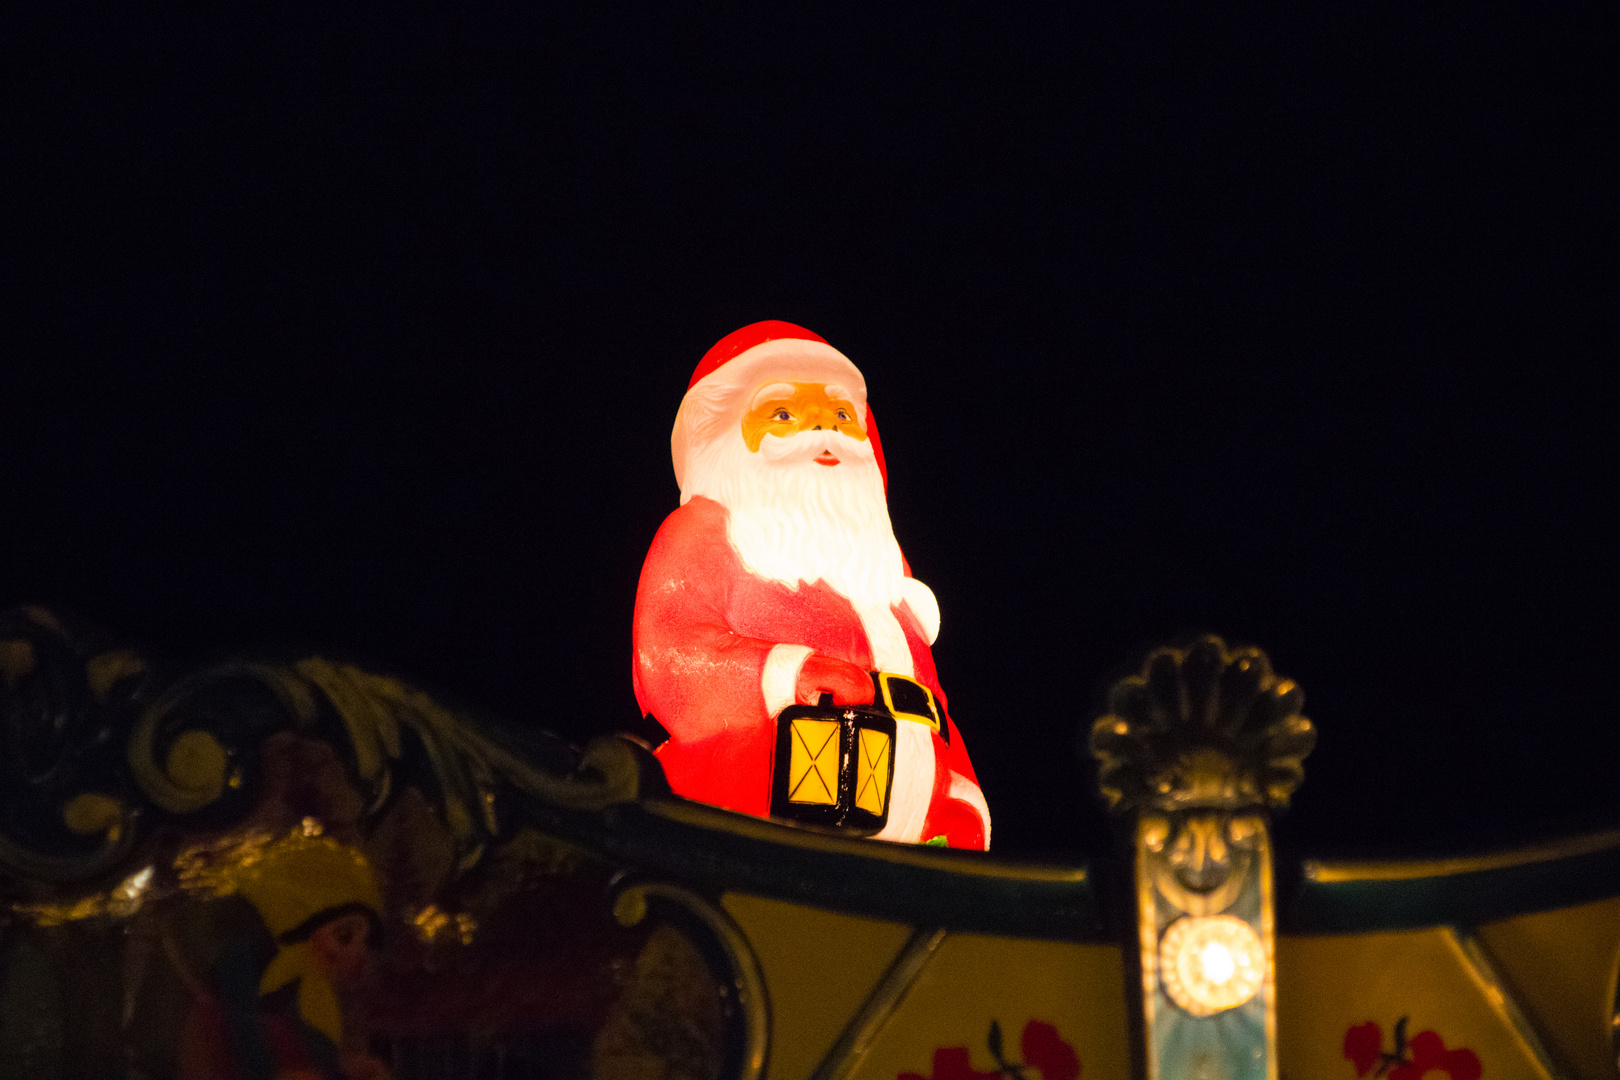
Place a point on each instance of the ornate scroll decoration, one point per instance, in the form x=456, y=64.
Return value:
x=1197, y=749
x=99, y=758
x=66, y=811
x=381, y=714
x=197, y=822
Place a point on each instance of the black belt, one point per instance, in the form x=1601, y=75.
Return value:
x=834, y=765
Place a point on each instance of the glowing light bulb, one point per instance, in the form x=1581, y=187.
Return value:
x=1217, y=962
x=1212, y=963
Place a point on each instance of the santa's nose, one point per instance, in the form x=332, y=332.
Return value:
x=816, y=418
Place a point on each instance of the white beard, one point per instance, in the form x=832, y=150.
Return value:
x=795, y=522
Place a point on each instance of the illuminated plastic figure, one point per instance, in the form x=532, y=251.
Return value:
x=780, y=638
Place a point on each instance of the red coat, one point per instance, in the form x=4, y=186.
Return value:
x=704, y=627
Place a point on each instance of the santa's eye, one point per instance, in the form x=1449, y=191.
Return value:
x=781, y=414
x=843, y=416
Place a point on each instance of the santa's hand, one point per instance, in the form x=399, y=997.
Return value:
x=848, y=684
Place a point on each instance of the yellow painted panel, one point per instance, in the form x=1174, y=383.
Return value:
x=1561, y=967
x=872, y=772
x=1331, y=983
x=813, y=762
x=819, y=968
x=973, y=979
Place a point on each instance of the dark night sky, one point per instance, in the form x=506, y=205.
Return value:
x=330, y=329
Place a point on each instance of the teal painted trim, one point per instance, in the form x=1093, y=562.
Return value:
x=957, y=891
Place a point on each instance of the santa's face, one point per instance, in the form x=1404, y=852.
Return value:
x=806, y=503
x=785, y=409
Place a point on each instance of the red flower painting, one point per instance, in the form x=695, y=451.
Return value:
x=1364, y=1046
x=1424, y=1056
x=1041, y=1046
x=1043, y=1049
x=1429, y=1053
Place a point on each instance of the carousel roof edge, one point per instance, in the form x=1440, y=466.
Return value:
x=1331, y=896
x=720, y=851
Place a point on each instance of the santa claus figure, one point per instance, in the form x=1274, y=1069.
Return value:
x=780, y=639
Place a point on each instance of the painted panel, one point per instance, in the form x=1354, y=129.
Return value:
x=1347, y=1004
x=1572, y=1001
x=819, y=966
x=1057, y=1006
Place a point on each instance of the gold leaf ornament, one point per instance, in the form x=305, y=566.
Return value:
x=93, y=814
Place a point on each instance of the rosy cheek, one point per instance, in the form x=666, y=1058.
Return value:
x=323, y=956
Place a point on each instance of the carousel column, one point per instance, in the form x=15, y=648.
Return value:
x=1195, y=754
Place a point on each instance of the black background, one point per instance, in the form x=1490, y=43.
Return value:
x=364, y=332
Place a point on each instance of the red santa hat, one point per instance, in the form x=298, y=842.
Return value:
x=742, y=360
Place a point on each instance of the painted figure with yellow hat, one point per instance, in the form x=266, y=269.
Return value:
x=292, y=1020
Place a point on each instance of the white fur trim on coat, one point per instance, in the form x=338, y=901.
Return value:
x=913, y=787
x=887, y=639
x=920, y=599
x=966, y=790
x=780, y=680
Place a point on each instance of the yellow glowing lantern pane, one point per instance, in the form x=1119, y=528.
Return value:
x=813, y=764
x=872, y=772
x=1212, y=963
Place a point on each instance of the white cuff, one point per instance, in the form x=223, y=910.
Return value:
x=780, y=679
x=966, y=790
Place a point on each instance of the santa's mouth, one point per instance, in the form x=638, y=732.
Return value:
x=826, y=457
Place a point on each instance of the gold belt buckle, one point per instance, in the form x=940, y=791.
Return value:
x=908, y=699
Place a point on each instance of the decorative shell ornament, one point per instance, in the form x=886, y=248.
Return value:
x=1203, y=726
